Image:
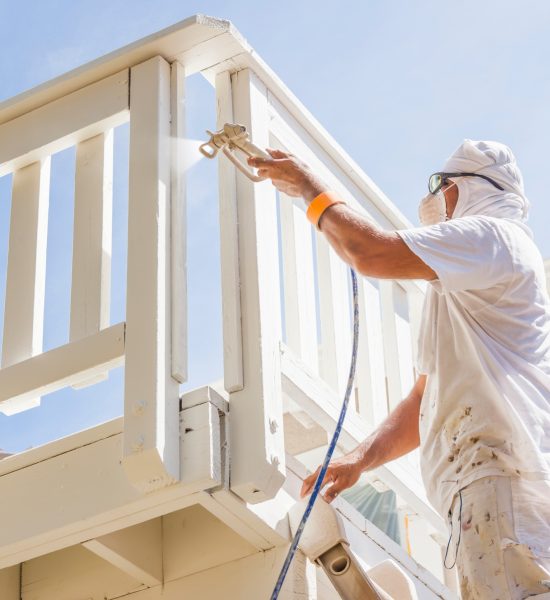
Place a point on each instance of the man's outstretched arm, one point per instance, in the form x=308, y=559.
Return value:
x=369, y=249
x=396, y=436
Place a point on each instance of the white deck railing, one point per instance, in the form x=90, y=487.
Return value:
x=270, y=370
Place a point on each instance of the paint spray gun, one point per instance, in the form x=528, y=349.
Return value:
x=232, y=138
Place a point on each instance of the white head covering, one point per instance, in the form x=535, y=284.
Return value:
x=479, y=197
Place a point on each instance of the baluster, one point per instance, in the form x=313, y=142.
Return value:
x=26, y=274
x=299, y=284
x=391, y=348
x=334, y=306
x=403, y=338
x=92, y=240
x=371, y=374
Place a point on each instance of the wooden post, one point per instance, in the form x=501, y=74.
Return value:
x=256, y=423
x=151, y=405
x=229, y=249
x=178, y=226
x=26, y=276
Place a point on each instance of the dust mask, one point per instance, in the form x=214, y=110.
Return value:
x=433, y=208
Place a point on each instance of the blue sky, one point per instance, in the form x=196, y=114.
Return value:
x=399, y=84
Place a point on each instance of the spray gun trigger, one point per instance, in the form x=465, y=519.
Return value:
x=230, y=139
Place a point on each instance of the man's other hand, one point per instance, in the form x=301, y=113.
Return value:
x=342, y=473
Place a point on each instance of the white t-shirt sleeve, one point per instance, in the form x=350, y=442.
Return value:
x=468, y=253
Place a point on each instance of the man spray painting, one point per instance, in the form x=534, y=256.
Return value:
x=480, y=409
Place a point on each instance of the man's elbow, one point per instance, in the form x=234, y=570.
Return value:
x=371, y=266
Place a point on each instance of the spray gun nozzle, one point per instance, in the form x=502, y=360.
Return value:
x=229, y=139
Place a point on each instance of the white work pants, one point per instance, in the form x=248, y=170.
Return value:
x=504, y=530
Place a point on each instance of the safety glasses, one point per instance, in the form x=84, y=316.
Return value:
x=437, y=180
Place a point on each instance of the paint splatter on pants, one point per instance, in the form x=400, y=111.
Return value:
x=492, y=563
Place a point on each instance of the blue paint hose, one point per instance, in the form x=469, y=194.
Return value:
x=331, y=447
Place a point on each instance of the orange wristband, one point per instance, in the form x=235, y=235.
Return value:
x=318, y=206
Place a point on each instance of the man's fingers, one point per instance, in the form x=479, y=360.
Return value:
x=255, y=161
x=277, y=153
x=309, y=482
x=334, y=490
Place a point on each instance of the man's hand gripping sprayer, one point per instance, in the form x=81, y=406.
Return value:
x=232, y=138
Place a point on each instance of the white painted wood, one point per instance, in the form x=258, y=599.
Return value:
x=60, y=446
x=136, y=551
x=74, y=573
x=299, y=283
x=229, y=249
x=292, y=136
x=64, y=122
x=26, y=272
x=9, y=583
x=390, y=214
x=198, y=42
x=196, y=540
x=178, y=235
x=256, y=425
x=250, y=578
x=73, y=505
x=371, y=373
x=235, y=513
x=403, y=336
x=334, y=307
x=259, y=365
x=92, y=238
x=365, y=370
x=201, y=444
x=202, y=395
x=50, y=371
x=391, y=349
x=151, y=445
x=323, y=405
x=211, y=45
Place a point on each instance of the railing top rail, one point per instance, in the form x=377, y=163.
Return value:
x=183, y=41
x=210, y=45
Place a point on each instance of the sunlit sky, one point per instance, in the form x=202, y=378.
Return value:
x=398, y=84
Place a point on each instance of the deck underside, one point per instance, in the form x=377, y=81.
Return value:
x=194, y=535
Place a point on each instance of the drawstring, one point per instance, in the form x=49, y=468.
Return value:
x=451, y=535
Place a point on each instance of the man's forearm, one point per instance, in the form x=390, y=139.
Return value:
x=353, y=237
x=369, y=249
x=396, y=436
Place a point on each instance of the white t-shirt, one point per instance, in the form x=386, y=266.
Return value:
x=485, y=346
